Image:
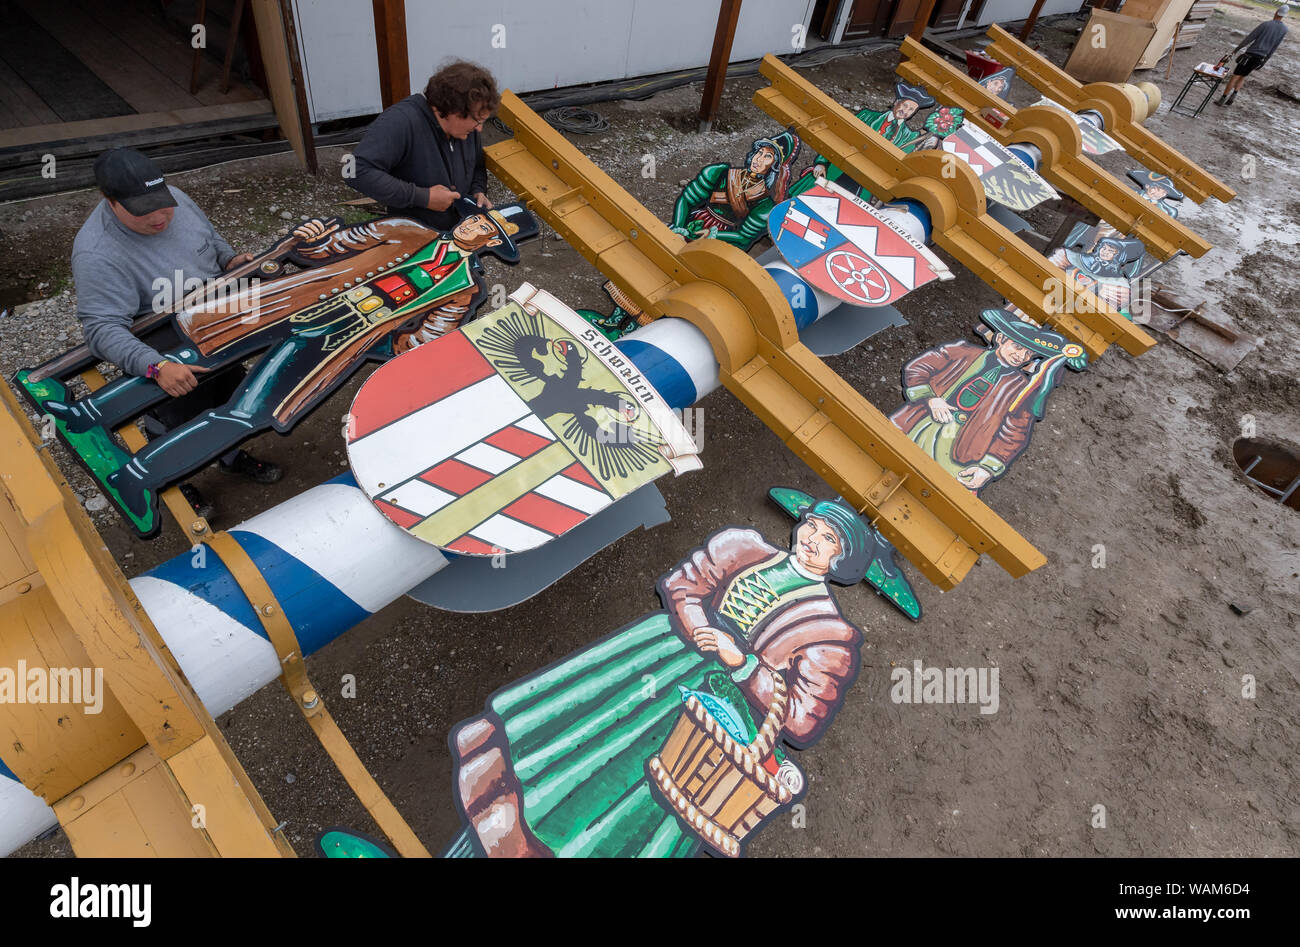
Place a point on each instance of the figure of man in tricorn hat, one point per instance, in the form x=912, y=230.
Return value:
x=892, y=123
x=732, y=204
x=972, y=407
x=1158, y=189
x=999, y=82
x=1104, y=261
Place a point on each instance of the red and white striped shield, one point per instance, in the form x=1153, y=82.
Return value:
x=448, y=442
x=1004, y=177
x=844, y=247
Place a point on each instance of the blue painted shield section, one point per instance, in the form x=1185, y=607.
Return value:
x=801, y=242
x=7, y=773
x=1023, y=155
x=919, y=211
x=663, y=371
x=798, y=291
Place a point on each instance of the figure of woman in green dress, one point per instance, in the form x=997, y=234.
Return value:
x=556, y=765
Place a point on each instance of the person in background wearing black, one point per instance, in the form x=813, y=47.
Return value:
x=425, y=151
x=1261, y=44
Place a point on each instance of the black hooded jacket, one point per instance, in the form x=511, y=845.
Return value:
x=404, y=152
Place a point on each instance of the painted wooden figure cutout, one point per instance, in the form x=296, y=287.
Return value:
x=1110, y=262
x=1158, y=189
x=669, y=735
x=732, y=203
x=363, y=292
x=997, y=83
x=625, y=316
x=973, y=407
x=339, y=842
x=884, y=573
x=510, y=431
x=892, y=125
x=1103, y=260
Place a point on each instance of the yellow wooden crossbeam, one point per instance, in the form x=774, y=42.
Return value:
x=933, y=521
x=1063, y=163
x=960, y=224
x=64, y=605
x=1116, y=110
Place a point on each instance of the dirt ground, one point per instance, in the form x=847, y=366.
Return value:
x=1120, y=687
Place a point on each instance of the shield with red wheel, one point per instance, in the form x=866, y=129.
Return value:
x=842, y=246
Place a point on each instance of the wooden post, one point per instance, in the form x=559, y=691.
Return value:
x=230, y=45
x=1033, y=18
x=197, y=56
x=1173, y=45
x=728, y=15
x=390, y=46
x=923, y=15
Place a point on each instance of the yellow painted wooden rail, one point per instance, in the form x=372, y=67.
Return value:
x=1116, y=110
x=934, y=521
x=952, y=194
x=1058, y=138
x=150, y=774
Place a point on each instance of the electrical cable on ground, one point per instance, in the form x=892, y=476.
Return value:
x=576, y=120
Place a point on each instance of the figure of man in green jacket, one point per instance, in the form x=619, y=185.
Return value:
x=732, y=204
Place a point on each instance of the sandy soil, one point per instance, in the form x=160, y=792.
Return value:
x=1120, y=687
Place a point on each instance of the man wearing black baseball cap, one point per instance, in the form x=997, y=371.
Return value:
x=132, y=179
x=138, y=249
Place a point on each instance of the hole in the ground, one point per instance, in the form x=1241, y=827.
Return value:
x=1273, y=468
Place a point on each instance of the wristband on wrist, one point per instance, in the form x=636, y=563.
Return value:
x=153, y=371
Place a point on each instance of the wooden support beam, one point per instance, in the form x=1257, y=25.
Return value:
x=934, y=521
x=1058, y=140
x=723, y=36
x=923, y=15
x=952, y=195
x=1110, y=101
x=1033, y=18
x=390, y=45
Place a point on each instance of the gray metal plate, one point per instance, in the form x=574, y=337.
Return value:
x=473, y=584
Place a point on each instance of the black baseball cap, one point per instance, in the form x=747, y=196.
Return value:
x=133, y=180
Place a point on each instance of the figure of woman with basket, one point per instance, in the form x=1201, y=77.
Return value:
x=666, y=735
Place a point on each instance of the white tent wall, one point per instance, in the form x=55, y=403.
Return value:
x=553, y=43
x=546, y=44
x=336, y=46
x=1008, y=11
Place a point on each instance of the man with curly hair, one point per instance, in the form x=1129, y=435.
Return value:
x=425, y=151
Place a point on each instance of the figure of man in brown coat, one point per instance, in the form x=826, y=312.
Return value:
x=973, y=407
x=362, y=289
